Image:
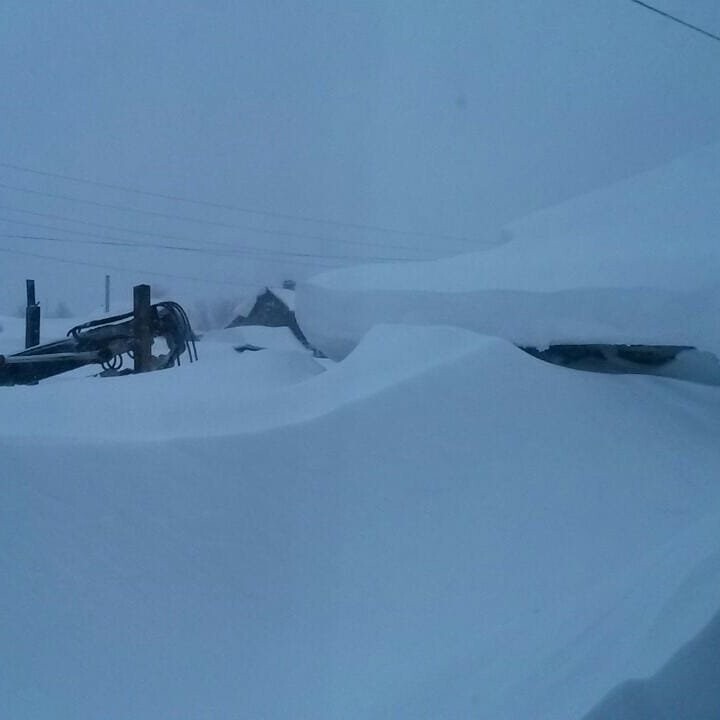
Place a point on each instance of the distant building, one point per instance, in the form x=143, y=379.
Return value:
x=271, y=307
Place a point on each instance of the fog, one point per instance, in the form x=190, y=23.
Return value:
x=442, y=120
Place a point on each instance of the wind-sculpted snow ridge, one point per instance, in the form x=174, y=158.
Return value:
x=635, y=263
x=687, y=687
x=228, y=393
x=441, y=526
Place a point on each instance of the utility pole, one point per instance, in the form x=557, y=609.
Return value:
x=141, y=328
x=32, y=316
x=107, y=293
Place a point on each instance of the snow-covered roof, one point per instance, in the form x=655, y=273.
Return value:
x=245, y=306
x=285, y=295
x=247, y=303
x=637, y=262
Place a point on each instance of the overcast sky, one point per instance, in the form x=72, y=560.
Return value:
x=444, y=118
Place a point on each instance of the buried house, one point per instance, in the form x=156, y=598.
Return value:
x=269, y=308
x=621, y=280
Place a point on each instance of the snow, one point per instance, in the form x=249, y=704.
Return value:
x=636, y=263
x=438, y=526
x=688, y=686
x=276, y=338
x=245, y=306
x=284, y=294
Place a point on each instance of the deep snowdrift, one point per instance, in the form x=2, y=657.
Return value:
x=441, y=526
x=687, y=687
x=635, y=263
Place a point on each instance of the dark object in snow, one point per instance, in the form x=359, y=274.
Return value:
x=32, y=316
x=610, y=358
x=105, y=342
x=273, y=308
x=247, y=348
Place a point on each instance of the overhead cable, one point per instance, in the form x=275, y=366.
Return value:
x=232, y=249
x=236, y=208
x=142, y=271
x=676, y=19
x=137, y=246
x=202, y=221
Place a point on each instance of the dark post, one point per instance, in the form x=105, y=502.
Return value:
x=107, y=293
x=141, y=328
x=32, y=316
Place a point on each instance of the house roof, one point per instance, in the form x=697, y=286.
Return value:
x=245, y=306
x=284, y=295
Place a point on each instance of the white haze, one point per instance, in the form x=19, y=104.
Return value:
x=441, y=118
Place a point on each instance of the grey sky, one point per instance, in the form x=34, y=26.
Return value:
x=440, y=117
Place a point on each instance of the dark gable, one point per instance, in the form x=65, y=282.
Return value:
x=270, y=311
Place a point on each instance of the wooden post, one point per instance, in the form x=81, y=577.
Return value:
x=32, y=316
x=141, y=328
x=107, y=293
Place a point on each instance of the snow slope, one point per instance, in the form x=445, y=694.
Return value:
x=438, y=527
x=687, y=687
x=637, y=262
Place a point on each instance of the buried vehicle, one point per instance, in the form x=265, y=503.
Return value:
x=681, y=362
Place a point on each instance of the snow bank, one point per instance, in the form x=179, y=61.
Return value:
x=634, y=263
x=687, y=687
x=227, y=392
x=439, y=526
x=273, y=338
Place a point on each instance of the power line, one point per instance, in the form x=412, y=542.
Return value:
x=233, y=249
x=118, y=228
x=116, y=242
x=200, y=221
x=236, y=208
x=116, y=268
x=165, y=236
x=676, y=19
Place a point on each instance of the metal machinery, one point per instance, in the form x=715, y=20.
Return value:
x=107, y=342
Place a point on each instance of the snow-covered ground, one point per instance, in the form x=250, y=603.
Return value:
x=440, y=526
x=437, y=526
x=688, y=686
